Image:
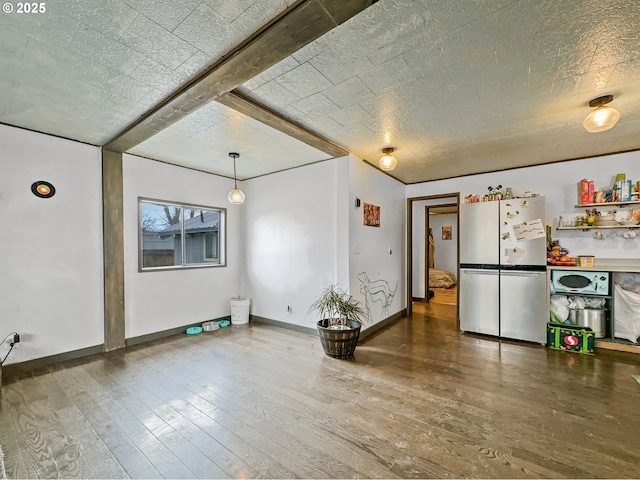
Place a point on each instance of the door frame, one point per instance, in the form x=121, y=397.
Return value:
x=409, y=242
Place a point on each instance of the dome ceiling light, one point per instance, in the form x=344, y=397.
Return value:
x=236, y=196
x=387, y=162
x=603, y=117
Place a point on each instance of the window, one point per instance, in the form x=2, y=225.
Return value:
x=180, y=235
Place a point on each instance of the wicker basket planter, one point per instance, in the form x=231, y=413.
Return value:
x=339, y=341
x=341, y=319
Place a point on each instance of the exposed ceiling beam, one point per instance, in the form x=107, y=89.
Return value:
x=264, y=114
x=300, y=24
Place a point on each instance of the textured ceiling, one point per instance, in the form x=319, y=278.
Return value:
x=203, y=139
x=456, y=86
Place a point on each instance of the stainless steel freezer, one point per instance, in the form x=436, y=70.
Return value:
x=523, y=305
x=479, y=282
x=479, y=301
x=519, y=212
x=479, y=240
x=502, y=283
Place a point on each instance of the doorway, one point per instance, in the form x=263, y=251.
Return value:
x=418, y=222
x=441, y=254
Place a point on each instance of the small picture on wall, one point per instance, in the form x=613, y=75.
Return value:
x=446, y=232
x=371, y=215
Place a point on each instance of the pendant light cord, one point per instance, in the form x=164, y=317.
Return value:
x=235, y=178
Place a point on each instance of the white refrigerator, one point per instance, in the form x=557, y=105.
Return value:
x=503, y=281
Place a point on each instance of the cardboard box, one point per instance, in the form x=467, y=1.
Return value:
x=583, y=192
x=571, y=338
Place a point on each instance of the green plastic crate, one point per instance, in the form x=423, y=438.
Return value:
x=571, y=338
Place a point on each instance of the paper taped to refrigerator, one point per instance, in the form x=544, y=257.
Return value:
x=514, y=254
x=529, y=230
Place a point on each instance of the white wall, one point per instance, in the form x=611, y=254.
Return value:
x=558, y=183
x=303, y=232
x=446, y=251
x=377, y=254
x=161, y=300
x=292, y=238
x=51, y=279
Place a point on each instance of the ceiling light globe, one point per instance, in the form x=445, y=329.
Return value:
x=388, y=162
x=236, y=196
x=601, y=119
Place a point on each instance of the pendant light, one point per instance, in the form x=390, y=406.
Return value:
x=235, y=196
x=603, y=117
x=387, y=161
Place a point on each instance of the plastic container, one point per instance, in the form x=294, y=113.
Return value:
x=586, y=261
x=240, y=310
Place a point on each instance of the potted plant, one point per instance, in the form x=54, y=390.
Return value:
x=341, y=319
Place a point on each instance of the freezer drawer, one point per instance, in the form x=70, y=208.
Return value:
x=524, y=307
x=479, y=305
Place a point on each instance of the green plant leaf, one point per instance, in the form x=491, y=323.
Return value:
x=336, y=304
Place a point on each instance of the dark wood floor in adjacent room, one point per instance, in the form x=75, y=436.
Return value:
x=419, y=400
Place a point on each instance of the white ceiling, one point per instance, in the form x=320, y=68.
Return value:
x=456, y=86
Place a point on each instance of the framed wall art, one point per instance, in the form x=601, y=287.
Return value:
x=371, y=215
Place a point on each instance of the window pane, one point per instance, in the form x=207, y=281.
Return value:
x=180, y=235
x=161, y=231
x=202, y=231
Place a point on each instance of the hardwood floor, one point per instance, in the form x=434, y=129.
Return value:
x=445, y=296
x=419, y=400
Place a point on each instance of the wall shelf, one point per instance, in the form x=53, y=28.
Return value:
x=598, y=228
x=608, y=204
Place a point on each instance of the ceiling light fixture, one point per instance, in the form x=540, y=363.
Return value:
x=387, y=161
x=235, y=196
x=603, y=117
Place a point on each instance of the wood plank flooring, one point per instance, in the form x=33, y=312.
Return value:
x=419, y=400
x=445, y=296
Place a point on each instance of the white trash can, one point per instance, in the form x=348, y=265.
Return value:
x=240, y=310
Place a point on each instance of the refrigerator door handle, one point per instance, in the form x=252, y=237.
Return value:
x=480, y=272
x=521, y=274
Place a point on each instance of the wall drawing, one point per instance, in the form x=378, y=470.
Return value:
x=376, y=291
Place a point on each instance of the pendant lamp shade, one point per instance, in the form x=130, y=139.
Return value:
x=236, y=196
x=387, y=161
x=603, y=117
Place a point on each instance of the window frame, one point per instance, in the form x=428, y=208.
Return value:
x=222, y=236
